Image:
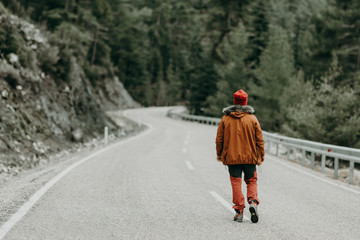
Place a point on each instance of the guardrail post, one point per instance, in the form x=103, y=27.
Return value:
x=312, y=164
x=323, y=158
x=303, y=157
x=351, y=172
x=336, y=168
x=288, y=153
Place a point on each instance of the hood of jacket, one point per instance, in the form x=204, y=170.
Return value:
x=238, y=111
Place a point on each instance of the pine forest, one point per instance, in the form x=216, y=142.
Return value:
x=299, y=61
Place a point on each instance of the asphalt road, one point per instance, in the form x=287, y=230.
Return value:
x=167, y=184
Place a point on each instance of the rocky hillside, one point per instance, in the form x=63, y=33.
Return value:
x=40, y=112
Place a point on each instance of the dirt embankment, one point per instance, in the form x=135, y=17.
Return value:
x=42, y=115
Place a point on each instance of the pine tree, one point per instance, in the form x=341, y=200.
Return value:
x=130, y=50
x=337, y=31
x=296, y=18
x=224, y=15
x=203, y=85
x=221, y=99
x=257, y=24
x=275, y=70
x=232, y=74
x=148, y=94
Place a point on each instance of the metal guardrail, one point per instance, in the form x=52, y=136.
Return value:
x=337, y=153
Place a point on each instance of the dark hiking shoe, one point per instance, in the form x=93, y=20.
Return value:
x=238, y=216
x=254, y=212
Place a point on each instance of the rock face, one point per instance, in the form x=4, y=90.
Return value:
x=41, y=115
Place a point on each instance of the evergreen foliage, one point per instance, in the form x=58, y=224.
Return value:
x=336, y=31
x=325, y=113
x=273, y=74
x=199, y=52
x=257, y=27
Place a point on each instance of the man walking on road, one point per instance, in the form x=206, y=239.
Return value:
x=240, y=146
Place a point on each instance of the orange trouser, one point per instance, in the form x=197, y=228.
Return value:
x=250, y=180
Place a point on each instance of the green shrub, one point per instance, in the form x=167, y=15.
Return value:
x=11, y=40
x=48, y=57
x=28, y=58
x=325, y=113
x=9, y=74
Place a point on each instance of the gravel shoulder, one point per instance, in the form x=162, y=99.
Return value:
x=17, y=187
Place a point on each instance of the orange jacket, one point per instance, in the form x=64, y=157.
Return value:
x=239, y=137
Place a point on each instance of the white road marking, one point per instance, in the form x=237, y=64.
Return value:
x=189, y=165
x=314, y=176
x=6, y=227
x=226, y=204
x=187, y=134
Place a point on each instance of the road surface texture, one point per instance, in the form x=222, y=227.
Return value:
x=167, y=184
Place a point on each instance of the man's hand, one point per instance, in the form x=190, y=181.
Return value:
x=219, y=158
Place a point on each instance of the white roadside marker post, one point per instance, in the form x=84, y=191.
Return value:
x=106, y=135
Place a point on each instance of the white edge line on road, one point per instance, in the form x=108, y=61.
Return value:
x=226, y=204
x=21, y=212
x=189, y=165
x=313, y=176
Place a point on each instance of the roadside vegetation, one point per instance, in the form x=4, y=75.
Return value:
x=298, y=60
x=50, y=102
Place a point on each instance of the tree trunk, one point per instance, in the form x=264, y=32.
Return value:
x=77, y=6
x=94, y=47
x=358, y=57
x=67, y=5
x=224, y=32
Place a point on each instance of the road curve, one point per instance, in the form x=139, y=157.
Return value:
x=167, y=184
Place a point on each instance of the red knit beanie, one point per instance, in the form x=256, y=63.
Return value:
x=240, y=97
